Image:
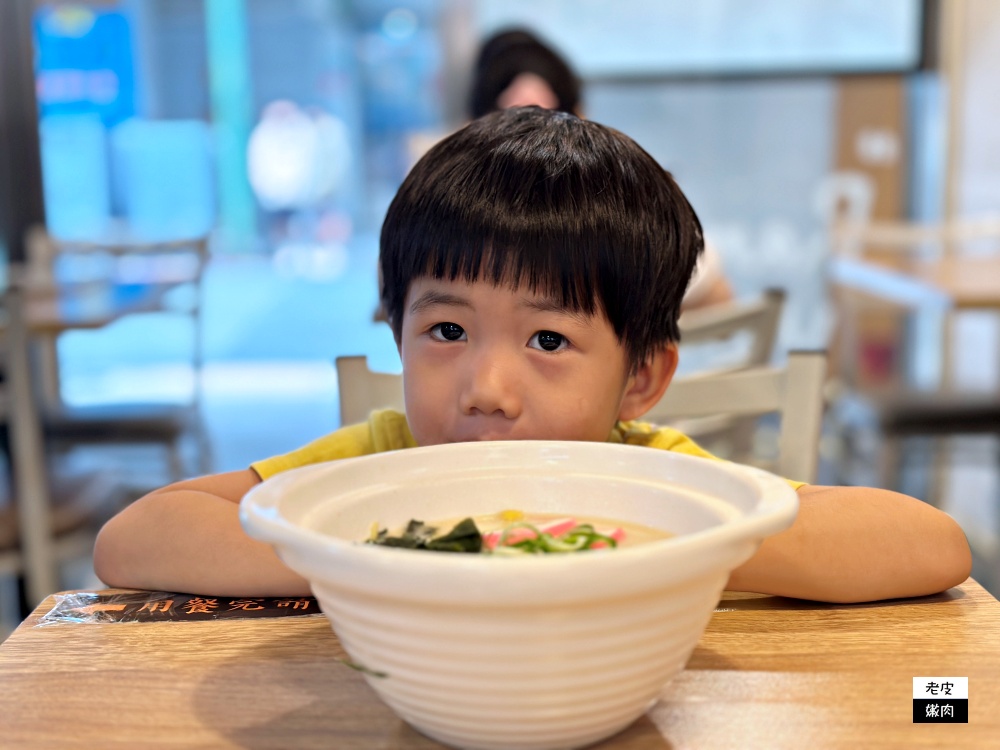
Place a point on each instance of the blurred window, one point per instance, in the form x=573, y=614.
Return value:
x=137, y=139
x=722, y=37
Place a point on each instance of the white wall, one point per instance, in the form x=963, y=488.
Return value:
x=749, y=155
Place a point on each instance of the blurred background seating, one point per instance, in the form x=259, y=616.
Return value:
x=921, y=279
x=108, y=280
x=361, y=390
x=49, y=513
x=794, y=392
x=727, y=337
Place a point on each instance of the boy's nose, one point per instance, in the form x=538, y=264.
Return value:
x=491, y=388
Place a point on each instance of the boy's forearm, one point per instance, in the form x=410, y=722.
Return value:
x=855, y=544
x=189, y=541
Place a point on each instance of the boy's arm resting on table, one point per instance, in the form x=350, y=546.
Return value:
x=858, y=544
x=187, y=537
x=847, y=544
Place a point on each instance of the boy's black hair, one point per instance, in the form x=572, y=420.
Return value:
x=568, y=207
x=508, y=54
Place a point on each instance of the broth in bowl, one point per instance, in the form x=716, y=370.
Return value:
x=514, y=532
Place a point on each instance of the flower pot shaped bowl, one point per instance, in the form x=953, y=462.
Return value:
x=514, y=652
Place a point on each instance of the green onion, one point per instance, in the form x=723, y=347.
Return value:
x=581, y=537
x=466, y=537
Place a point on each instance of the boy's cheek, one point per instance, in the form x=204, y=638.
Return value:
x=422, y=419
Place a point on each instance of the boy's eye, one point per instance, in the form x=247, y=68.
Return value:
x=548, y=341
x=448, y=332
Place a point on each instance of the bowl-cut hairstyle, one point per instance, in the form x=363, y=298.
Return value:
x=570, y=208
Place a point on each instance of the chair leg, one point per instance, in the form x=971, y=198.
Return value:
x=941, y=461
x=24, y=605
x=13, y=601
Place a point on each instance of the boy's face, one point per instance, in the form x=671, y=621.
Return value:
x=494, y=363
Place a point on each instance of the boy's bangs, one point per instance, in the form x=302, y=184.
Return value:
x=567, y=278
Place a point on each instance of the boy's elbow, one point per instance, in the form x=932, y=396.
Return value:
x=948, y=564
x=108, y=563
x=121, y=556
x=937, y=558
x=954, y=559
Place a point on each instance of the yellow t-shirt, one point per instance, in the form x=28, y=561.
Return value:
x=388, y=431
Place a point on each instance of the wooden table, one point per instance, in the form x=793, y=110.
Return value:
x=955, y=258
x=968, y=282
x=971, y=282
x=768, y=673
x=931, y=289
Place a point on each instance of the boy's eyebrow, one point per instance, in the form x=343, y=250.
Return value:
x=432, y=297
x=548, y=304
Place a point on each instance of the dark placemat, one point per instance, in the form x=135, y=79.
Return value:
x=162, y=606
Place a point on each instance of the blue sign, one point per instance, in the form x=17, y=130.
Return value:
x=84, y=63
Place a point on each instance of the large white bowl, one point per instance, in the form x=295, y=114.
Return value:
x=547, y=651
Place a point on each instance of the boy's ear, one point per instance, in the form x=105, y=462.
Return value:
x=648, y=384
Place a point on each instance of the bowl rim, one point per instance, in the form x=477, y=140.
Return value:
x=261, y=517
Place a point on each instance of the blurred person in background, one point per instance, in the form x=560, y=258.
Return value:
x=517, y=69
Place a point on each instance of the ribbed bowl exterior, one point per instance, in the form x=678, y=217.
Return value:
x=526, y=652
x=535, y=678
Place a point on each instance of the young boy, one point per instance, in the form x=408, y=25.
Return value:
x=534, y=266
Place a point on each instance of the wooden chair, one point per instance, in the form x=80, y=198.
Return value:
x=362, y=391
x=794, y=391
x=164, y=265
x=918, y=276
x=885, y=265
x=759, y=318
x=45, y=521
x=728, y=337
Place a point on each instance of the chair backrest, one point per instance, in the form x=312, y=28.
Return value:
x=53, y=515
x=759, y=317
x=794, y=391
x=722, y=338
x=36, y=555
x=172, y=261
x=161, y=266
x=124, y=260
x=362, y=390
